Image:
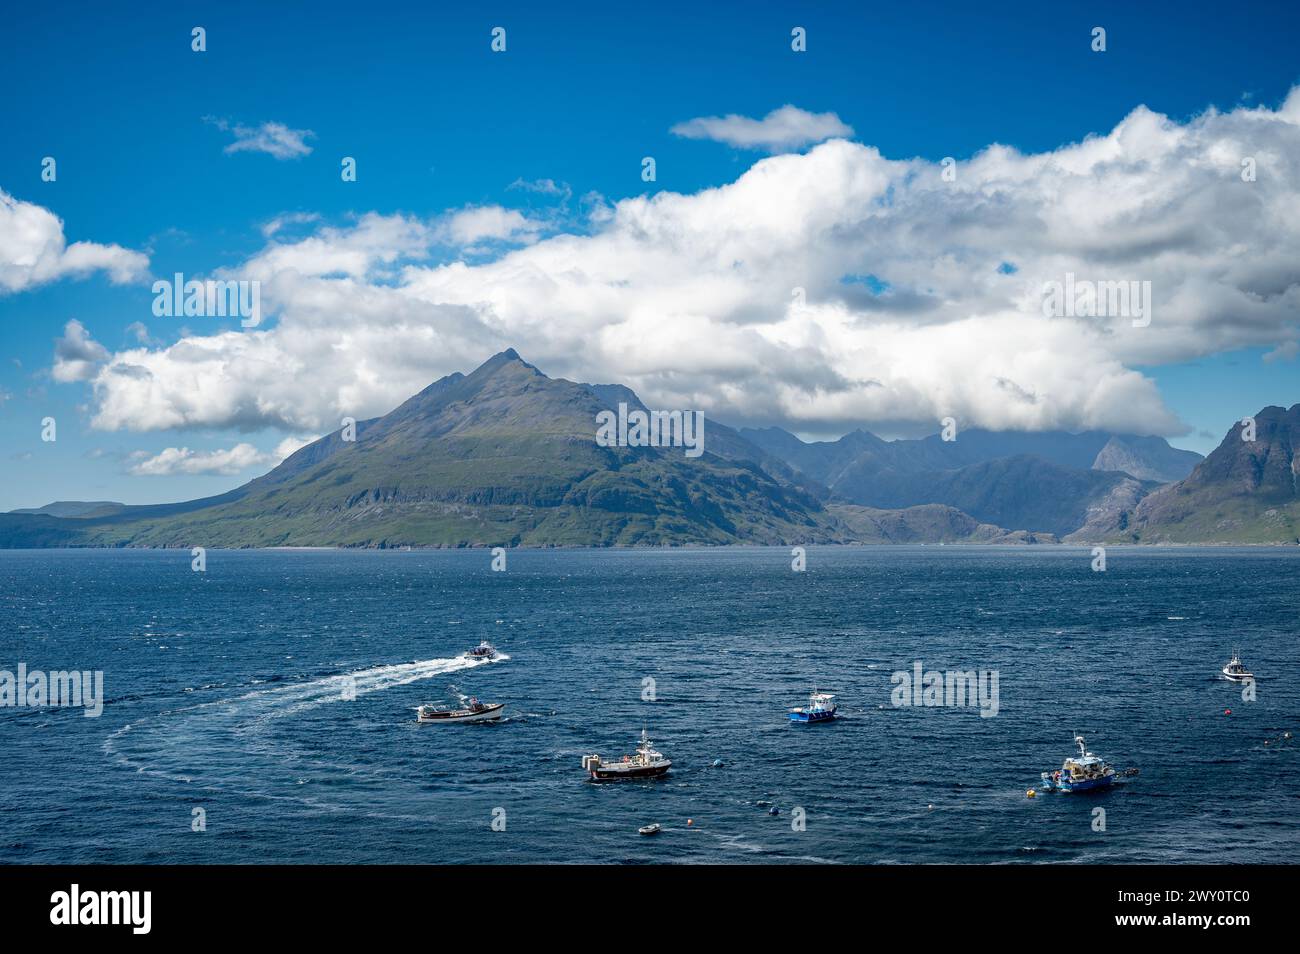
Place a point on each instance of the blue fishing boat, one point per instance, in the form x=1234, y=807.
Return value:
x=820, y=708
x=1080, y=773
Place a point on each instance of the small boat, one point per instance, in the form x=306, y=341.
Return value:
x=473, y=711
x=483, y=650
x=1236, y=670
x=1080, y=773
x=651, y=829
x=821, y=708
x=647, y=763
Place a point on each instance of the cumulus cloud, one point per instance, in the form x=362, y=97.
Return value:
x=821, y=290
x=786, y=128
x=489, y=222
x=140, y=331
x=77, y=356
x=33, y=250
x=274, y=139
x=181, y=460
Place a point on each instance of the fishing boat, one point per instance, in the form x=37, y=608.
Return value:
x=1236, y=670
x=646, y=763
x=821, y=708
x=1080, y=773
x=472, y=711
x=483, y=650
x=651, y=829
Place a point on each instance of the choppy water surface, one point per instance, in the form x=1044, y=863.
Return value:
x=226, y=692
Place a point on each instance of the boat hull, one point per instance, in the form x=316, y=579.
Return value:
x=1083, y=785
x=1238, y=676
x=614, y=773
x=486, y=714
x=808, y=717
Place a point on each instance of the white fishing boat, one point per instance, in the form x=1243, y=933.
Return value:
x=472, y=711
x=483, y=650
x=1236, y=670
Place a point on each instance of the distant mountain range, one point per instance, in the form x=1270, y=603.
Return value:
x=1053, y=482
x=508, y=456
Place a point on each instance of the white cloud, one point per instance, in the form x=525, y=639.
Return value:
x=489, y=222
x=281, y=222
x=274, y=139
x=560, y=190
x=33, y=250
x=688, y=298
x=140, y=331
x=782, y=129
x=77, y=356
x=243, y=456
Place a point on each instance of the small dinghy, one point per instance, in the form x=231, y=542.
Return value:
x=651, y=829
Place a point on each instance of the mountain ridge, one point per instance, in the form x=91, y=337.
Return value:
x=507, y=456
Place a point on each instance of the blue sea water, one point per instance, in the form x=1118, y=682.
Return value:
x=224, y=694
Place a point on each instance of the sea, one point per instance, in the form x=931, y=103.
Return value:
x=262, y=709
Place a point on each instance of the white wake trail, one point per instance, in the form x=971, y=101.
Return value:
x=217, y=737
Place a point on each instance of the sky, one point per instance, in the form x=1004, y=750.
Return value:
x=856, y=234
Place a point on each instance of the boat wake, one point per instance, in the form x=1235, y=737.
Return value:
x=219, y=745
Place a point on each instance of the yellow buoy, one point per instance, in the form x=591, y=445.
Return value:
x=1030, y=793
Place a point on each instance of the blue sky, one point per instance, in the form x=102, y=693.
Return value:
x=438, y=122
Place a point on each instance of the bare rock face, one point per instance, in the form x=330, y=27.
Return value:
x=1110, y=514
x=1146, y=458
x=1246, y=491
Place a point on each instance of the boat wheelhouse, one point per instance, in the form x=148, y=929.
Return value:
x=483, y=650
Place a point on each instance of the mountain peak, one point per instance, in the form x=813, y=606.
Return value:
x=509, y=356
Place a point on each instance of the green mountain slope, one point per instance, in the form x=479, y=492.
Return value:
x=503, y=456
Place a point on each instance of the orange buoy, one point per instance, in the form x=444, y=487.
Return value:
x=690, y=822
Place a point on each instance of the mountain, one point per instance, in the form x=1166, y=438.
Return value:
x=1052, y=482
x=823, y=461
x=502, y=456
x=1243, y=492
x=1146, y=458
x=77, y=508
x=508, y=456
x=929, y=523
